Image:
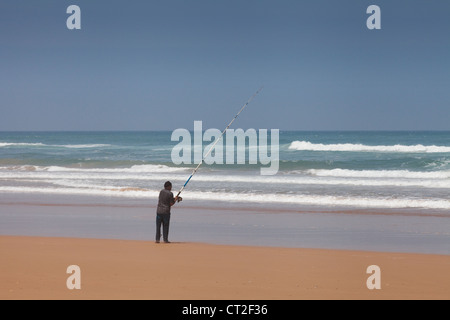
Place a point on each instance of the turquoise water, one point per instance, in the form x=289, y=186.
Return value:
x=369, y=170
x=122, y=149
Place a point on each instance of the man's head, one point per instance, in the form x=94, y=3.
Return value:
x=168, y=185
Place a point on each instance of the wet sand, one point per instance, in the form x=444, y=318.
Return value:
x=338, y=230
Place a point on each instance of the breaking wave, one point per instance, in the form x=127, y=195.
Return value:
x=71, y=146
x=349, y=147
x=313, y=200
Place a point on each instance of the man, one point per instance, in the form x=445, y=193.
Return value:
x=165, y=202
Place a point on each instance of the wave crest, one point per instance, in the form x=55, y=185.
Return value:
x=313, y=200
x=378, y=174
x=349, y=147
x=22, y=144
x=144, y=168
x=70, y=146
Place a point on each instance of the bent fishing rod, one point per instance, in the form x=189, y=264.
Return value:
x=217, y=140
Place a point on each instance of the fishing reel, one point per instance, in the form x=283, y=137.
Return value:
x=179, y=199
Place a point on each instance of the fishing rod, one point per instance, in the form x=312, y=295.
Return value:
x=217, y=140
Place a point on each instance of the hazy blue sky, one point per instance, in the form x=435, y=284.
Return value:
x=160, y=65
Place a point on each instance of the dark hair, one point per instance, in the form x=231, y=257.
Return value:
x=167, y=184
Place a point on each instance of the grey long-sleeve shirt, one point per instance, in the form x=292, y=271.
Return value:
x=165, y=201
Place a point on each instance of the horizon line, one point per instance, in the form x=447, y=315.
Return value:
x=281, y=130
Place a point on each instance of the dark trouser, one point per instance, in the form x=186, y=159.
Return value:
x=163, y=219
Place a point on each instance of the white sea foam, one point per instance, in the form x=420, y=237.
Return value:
x=82, y=146
x=154, y=173
x=312, y=200
x=391, y=174
x=106, y=191
x=348, y=147
x=12, y=144
x=155, y=168
x=71, y=146
x=145, y=168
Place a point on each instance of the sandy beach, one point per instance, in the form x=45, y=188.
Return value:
x=35, y=268
x=309, y=142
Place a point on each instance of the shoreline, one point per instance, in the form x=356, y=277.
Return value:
x=342, y=230
x=241, y=207
x=35, y=268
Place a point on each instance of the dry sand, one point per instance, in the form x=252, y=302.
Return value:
x=35, y=268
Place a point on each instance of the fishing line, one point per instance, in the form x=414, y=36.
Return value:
x=217, y=140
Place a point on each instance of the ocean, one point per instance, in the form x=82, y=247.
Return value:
x=318, y=171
